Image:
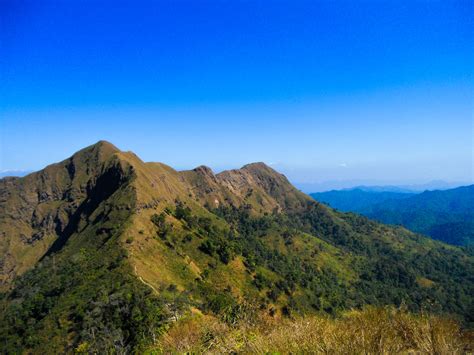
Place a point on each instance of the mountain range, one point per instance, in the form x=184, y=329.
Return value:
x=13, y=173
x=102, y=252
x=367, y=185
x=446, y=215
x=357, y=200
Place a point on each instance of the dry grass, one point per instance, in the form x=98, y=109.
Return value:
x=371, y=331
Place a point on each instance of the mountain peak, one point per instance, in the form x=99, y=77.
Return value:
x=258, y=165
x=94, y=155
x=203, y=169
x=259, y=182
x=252, y=168
x=260, y=168
x=263, y=171
x=102, y=147
x=103, y=142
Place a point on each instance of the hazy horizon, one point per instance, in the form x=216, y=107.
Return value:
x=312, y=184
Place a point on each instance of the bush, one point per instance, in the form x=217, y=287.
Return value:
x=164, y=228
x=208, y=247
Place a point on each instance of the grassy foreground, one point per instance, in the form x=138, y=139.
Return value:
x=372, y=330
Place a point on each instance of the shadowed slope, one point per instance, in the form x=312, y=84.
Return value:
x=39, y=212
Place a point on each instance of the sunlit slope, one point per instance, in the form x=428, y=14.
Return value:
x=162, y=244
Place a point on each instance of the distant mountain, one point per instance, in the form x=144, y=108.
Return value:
x=444, y=215
x=359, y=200
x=434, y=185
x=376, y=186
x=18, y=173
x=385, y=188
x=104, y=253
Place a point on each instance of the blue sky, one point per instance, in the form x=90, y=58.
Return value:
x=364, y=91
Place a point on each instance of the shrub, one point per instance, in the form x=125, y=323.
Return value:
x=164, y=228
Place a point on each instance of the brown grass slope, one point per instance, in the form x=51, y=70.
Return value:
x=39, y=212
x=158, y=187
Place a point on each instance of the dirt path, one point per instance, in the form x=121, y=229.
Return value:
x=143, y=281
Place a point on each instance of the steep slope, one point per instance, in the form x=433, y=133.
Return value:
x=39, y=212
x=135, y=246
x=255, y=185
x=261, y=186
x=205, y=187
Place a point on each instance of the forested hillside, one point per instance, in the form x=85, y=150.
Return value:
x=446, y=215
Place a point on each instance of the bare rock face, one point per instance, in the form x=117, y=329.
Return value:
x=269, y=188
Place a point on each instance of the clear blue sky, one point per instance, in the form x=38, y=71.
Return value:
x=370, y=91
